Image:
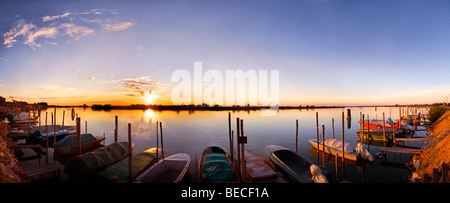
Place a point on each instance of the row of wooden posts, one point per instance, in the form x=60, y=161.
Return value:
x=241, y=140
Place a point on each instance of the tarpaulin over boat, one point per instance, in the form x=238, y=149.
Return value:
x=72, y=140
x=91, y=162
x=217, y=168
x=337, y=144
x=118, y=172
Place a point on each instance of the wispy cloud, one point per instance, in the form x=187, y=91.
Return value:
x=118, y=26
x=28, y=33
x=91, y=78
x=77, y=32
x=139, y=85
x=45, y=32
x=50, y=18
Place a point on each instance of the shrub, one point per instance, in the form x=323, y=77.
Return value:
x=435, y=112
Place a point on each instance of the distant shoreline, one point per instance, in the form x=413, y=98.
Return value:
x=216, y=108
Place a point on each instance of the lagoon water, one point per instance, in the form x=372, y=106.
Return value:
x=193, y=131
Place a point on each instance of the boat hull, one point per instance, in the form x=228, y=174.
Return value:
x=334, y=151
x=220, y=170
x=168, y=170
x=294, y=165
x=66, y=151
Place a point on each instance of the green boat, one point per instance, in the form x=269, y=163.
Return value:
x=119, y=172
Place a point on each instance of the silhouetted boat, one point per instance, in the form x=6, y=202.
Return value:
x=168, y=170
x=69, y=144
x=294, y=165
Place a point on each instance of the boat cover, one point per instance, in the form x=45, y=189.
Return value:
x=118, y=172
x=71, y=140
x=363, y=152
x=217, y=169
x=337, y=144
x=91, y=162
x=317, y=175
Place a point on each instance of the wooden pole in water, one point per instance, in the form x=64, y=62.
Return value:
x=384, y=131
x=317, y=137
x=296, y=135
x=54, y=129
x=129, y=152
x=64, y=115
x=363, y=128
x=85, y=126
x=323, y=146
x=78, y=129
x=157, y=140
x=332, y=126
x=343, y=145
x=162, y=142
x=229, y=136
x=336, y=167
x=238, y=132
x=243, y=166
x=116, y=129
x=368, y=129
x=46, y=130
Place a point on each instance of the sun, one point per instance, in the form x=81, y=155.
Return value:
x=149, y=97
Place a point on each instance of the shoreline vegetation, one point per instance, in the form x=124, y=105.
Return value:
x=206, y=107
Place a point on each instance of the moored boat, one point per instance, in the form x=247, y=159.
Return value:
x=119, y=171
x=215, y=166
x=84, y=167
x=69, y=144
x=168, y=170
x=294, y=165
x=333, y=147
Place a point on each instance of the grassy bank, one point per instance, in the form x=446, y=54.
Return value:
x=434, y=156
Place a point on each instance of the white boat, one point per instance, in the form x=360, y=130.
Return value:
x=333, y=146
x=168, y=170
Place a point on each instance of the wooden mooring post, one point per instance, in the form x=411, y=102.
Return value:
x=116, y=129
x=130, y=173
x=78, y=130
x=323, y=146
x=296, y=135
x=317, y=137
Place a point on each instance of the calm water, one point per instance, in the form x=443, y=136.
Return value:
x=191, y=132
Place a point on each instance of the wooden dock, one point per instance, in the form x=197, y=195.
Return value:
x=44, y=170
x=400, y=150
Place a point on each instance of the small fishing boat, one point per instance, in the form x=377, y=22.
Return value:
x=37, y=136
x=119, y=171
x=215, y=166
x=333, y=147
x=389, y=124
x=68, y=145
x=294, y=165
x=168, y=170
x=257, y=169
x=84, y=167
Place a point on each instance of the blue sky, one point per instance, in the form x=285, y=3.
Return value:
x=328, y=52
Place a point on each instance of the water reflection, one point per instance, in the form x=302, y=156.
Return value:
x=191, y=132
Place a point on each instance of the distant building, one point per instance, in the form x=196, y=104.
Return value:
x=2, y=101
x=20, y=104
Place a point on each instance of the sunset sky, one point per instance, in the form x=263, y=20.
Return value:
x=327, y=52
